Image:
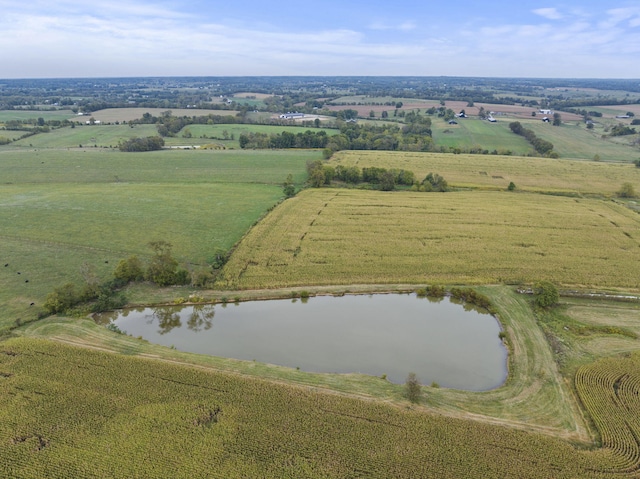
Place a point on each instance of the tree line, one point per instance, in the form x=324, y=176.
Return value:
x=383, y=179
x=543, y=147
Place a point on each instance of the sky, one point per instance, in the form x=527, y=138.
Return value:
x=129, y=38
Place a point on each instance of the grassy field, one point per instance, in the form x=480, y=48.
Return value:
x=470, y=133
x=573, y=140
x=495, y=172
x=60, y=209
x=87, y=136
x=106, y=136
x=337, y=236
x=6, y=115
x=570, y=140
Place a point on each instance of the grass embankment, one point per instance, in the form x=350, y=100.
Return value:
x=338, y=236
x=60, y=209
x=92, y=414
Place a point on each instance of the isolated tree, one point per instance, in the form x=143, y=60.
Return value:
x=130, y=269
x=288, y=187
x=163, y=266
x=412, y=388
x=512, y=186
x=545, y=294
x=626, y=191
x=387, y=181
x=557, y=119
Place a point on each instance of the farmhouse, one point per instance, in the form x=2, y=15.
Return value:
x=291, y=115
x=546, y=119
x=546, y=112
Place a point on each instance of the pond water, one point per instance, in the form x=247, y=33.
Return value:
x=450, y=344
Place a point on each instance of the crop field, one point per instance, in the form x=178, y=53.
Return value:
x=336, y=236
x=60, y=209
x=495, y=172
x=84, y=413
x=610, y=392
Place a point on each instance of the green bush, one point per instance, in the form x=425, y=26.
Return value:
x=545, y=294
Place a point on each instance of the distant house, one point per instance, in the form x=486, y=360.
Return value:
x=622, y=116
x=291, y=115
x=491, y=119
x=453, y=122
x=546, y=112
x=546, y=119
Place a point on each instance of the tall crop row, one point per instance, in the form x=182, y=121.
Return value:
x=610, y=391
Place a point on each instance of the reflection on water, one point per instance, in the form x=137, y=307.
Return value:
x=452, y=344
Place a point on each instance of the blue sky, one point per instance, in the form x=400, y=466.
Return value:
x=85, y=38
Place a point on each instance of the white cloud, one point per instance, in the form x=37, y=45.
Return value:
x=405, y=26
x=549, y=13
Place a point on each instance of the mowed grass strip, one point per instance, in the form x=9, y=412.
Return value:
x=337, y=236
x=496, y=172
x=74, y=412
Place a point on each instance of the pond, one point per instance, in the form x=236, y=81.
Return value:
x=442, y=342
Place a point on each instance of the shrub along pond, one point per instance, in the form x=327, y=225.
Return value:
x=443, y=342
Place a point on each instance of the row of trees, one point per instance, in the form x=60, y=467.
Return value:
x=383, y=179
x=162, y=269
x=543, y=147
x=308, y=139
x=149, y=143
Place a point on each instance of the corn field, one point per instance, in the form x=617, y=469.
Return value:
x=67, y=412
x=339, y=236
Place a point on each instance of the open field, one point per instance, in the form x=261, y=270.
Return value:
x=106, y=136
x=337, y=236
x=111, y=115
x=60, y=209
x=571, y=140
x=110, y=418
x=470, y=133
x=495, y=172
x=6, y=115
x=85, y=135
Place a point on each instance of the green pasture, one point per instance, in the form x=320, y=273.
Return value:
x=105, y=136
x=87, y=136
x=204, y=134
x=89, y=165
x=60, y=209
x=6, y=115
x=571, y=140
x=470, y=133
